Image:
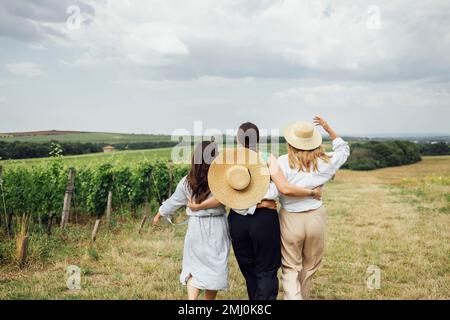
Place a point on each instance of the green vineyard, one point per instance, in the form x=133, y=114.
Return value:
x=39, y=191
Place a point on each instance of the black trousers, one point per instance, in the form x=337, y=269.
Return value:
x=257, y=246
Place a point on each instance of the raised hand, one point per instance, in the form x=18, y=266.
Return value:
x=319, y=121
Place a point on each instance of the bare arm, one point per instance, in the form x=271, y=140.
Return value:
x=341, y=149
x=287, y=188
x=209, y=203
x=319, y=121
x=156, y=219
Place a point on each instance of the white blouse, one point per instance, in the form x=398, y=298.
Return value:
x=311, y=180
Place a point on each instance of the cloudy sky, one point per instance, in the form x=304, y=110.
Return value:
x=152, y=66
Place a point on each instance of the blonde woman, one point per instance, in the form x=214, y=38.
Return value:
x=303, y=220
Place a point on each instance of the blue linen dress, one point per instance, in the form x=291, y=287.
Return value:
x=207, y=242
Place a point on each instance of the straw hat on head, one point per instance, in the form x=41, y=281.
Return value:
x=303, y=135
x=238, y=178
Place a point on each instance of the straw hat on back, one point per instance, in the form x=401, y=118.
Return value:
x=303, y=135
x=238, y=178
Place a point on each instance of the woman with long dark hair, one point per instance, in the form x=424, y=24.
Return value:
x=207, y=242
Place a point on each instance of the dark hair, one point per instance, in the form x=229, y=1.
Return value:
x=248, y=135
x=197, y=178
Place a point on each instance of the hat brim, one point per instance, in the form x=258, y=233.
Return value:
x=253, y=193
x=302, y=143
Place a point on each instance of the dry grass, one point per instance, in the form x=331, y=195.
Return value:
x=395, y=218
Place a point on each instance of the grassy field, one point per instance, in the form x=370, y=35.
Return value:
x=394, y=218
x=93, y=137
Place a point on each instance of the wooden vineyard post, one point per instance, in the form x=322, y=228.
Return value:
x=7, y=221
x=144, y=218
x=9, y=225
x=22, y=240
x=49, y=224
x=146, y=204
x=22, y=251
x=2, y=204
x=95, y=230
x=108, y=209
x=68, y=198
x=170, y=178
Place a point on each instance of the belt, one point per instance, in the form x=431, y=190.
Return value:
x=169, y=219
x=269, y=204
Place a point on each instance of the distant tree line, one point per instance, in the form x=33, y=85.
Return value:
x=364, y=156
x=145, y=145
x=434, y=149
x=26, y=150
x=374, y=154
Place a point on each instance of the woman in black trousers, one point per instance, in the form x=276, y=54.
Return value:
x=256, y=244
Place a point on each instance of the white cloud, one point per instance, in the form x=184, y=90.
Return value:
x=192, y=60
x=37, y=46
x=126, y=33
x=367, y=95
x=28, y=69
x=257, y=38
x=203, y=82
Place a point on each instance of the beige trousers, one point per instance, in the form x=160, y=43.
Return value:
x=302, y=247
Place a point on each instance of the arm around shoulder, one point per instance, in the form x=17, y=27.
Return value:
x=283, y=185
x=209, y=203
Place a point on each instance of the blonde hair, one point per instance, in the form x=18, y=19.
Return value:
x=305, y=160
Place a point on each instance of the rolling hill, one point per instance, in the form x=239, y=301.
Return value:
x=80, y=136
